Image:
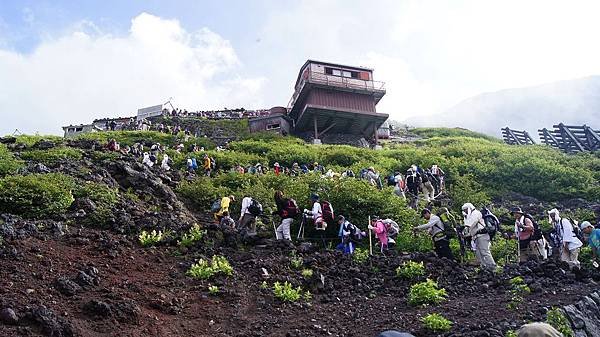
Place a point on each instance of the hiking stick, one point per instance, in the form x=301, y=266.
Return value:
x=370, y=238
x=301, y=226
x=274, y=228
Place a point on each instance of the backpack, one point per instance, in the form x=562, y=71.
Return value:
x=194, y=163
x=448, y=230
x=290, y=209
x=537, y=231
x=213, y=163
x=491, y=224
x=255, y=208
x=328, y=215
x=391, y=227
x=391, y=180
x=216, y=206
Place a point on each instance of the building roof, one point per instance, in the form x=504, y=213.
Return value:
x=328, y=64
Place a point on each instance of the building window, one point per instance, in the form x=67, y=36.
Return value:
x=78, y=129
x=273, y=126
x=341, y=73
x=71, y=130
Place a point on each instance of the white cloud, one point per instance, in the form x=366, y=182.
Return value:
x=86, y=74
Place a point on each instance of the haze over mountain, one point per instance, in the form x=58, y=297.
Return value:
x=531, y=108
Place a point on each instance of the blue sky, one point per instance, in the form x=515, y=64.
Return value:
x=66, y=62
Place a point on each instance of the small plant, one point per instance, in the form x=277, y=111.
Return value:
x=557, y=319
x=410, y=270
x=427, y=292
x=517, y=290
x=436, y=323
x=307, y=273
x=204, y=270
x=264, y=285
x=213, y=290
x=286, y=292
x=510, y=333
x=195, y=234
x=360, y=255
x=150, y=239
x=296, y=262
x=307, y=297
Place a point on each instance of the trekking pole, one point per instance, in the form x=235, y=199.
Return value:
x=301, y=225
x=370, y=239
x=274, y=228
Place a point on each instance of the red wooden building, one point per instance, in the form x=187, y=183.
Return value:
x=336, y=98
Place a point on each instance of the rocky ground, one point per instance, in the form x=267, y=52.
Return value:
x=60, y=278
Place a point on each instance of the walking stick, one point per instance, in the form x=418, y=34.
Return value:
x=301, y=226
x=370, y=239
x=274, y=228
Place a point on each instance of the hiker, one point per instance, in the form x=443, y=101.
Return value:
x=438, y=174
x=378, y=228
x=349, y=234
x=113, y=145
x=295, y=171
x=206, y=165
x=394, y=333
x=348, y=174
x=593, y=237
x=427, y=187
x=287, y=209
x=373, y=177
x=413, y=183
x=251, y=208
x=165, y=163
x=227, y=222
x=475, y=228
x=528, y=236
x=317, y=168
x=538, y=330
x=317, y=212
x=437, y=230
x=567, y=242
x=221, y=206
x=276, y=169
x=399, y=185
x=146, y=160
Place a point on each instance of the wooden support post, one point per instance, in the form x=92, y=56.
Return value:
x=316, y=130
x=327, y=129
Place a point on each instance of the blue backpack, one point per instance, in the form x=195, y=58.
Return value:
x=216, y=206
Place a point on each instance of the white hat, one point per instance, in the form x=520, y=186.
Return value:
x=585, y=225
x=468, y=205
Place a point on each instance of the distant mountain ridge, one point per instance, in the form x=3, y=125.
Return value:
x=530, y=108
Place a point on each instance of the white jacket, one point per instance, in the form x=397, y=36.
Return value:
x=564, y=229
x=474, y=223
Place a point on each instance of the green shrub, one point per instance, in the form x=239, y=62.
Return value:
x=451, y=132
x=360, y=255
x=296, y=262
x=426, y=293
x=213, y=290
x=518, y=288
x=307, y=273
x=195, y=234
x=436, y=323
x=30, y=140
x=148, y=239
x=53, y=155
x=410, y=270
x=36, y=195
x=103, y=197
x=559, y=321
x=132, y=137
x=510, y=333
x=8, y=163
x=286, y=292
x=205, y=270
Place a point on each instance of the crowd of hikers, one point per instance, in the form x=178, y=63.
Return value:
x=475, y=231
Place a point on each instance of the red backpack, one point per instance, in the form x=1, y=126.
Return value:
x=328, y=215
x=290, y=210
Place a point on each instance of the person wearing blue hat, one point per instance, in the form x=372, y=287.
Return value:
x=394, y=333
